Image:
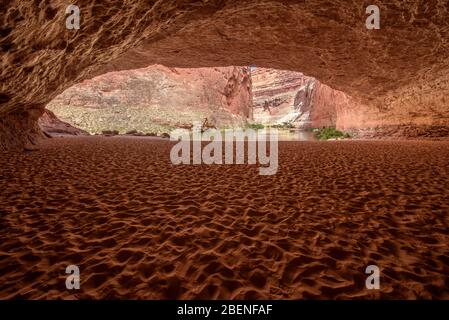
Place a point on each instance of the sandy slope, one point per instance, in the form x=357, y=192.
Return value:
x=140, y=227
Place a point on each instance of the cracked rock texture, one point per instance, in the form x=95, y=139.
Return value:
x=399, y=73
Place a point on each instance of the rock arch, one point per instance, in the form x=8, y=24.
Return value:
x=398, y=73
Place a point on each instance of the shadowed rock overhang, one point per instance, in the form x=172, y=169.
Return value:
x=399, y=73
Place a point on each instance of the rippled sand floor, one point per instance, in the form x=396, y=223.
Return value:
x=140, y=227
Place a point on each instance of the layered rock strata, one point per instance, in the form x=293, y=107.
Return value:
x=291, y=98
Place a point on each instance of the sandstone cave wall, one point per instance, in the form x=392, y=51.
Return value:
x=51, y=125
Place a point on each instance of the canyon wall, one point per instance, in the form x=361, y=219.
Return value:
x=282, y=96
x=156, y=99
x=287, y=97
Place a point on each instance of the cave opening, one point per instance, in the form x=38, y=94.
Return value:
x=155, y=100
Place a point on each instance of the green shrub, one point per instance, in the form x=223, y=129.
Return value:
x=330, y=133
x=284, y=125
x=255, y=126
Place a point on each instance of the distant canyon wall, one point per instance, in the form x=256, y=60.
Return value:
x=156, y=99
x=287, y=97
x=282, y=97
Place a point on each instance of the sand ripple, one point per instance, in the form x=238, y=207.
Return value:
x=139, y=227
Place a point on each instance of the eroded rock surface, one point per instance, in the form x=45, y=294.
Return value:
x=288, y=97
x=52, y=125
x=400, y=72
x=157, y=99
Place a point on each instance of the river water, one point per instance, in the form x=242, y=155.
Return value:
x=296, y=135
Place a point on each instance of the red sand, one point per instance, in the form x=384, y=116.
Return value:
x=139, y=227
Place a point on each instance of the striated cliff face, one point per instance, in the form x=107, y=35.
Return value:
x=274, y=96
x=157, y=98
x=282, y=96
x=400, y=72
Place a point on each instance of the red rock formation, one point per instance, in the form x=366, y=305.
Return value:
x=400, y=72
x=156, y=98
x=275, y=94
x=20, y=129
x=291, y=97
x=51, y=125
